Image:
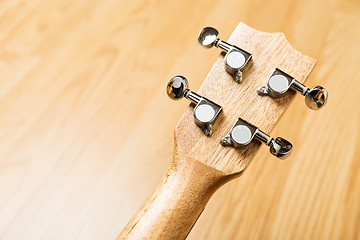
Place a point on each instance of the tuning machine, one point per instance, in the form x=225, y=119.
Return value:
x=236, y=59
x=280, y=82
x=205, y=111
x=242, y=133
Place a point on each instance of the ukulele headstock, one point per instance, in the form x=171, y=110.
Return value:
x=269, y=51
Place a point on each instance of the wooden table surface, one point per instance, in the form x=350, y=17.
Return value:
x=87, y=128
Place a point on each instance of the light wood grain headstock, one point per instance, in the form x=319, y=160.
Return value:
x=269, y=51
x=201, y=165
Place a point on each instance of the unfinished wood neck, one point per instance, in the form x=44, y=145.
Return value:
x=177, y=202
x=201, y=165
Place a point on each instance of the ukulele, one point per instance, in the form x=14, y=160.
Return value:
x=201, y=164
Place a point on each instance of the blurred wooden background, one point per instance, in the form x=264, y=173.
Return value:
x=87, y=128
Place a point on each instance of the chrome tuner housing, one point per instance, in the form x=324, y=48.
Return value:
x=236, y=59
x=243, y=132
x=205, y=112
x=279, y=84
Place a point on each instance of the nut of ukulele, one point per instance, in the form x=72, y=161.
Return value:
x=280, y=82
x=242, y=133
x=236, y=59
x=205, y=111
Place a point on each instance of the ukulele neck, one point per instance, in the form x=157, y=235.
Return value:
x=177, y=202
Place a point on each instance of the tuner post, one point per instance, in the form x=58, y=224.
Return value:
x=192, y=96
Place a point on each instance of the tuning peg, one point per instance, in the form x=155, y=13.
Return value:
x=236, y=59
x=280, y=82
x=205, y=111
x=242, y=133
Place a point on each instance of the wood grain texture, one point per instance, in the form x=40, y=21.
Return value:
x=175, y=205
x=269, y=50
x=201, y=164
x=87, y=129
